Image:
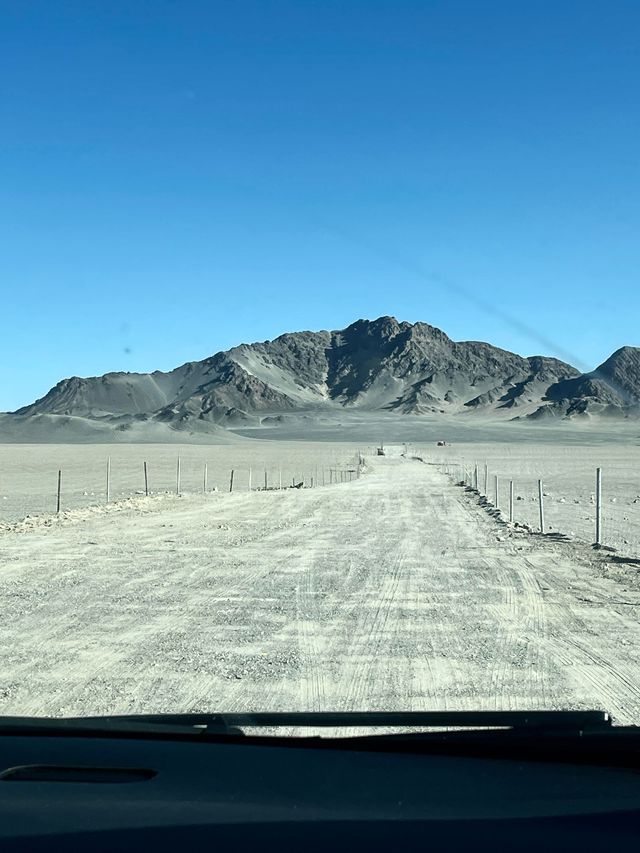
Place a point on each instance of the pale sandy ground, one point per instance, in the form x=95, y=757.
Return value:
x=396, y=591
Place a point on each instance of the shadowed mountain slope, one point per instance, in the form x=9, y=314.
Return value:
x=378, y=365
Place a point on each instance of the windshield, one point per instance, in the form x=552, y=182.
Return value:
x=320, y=365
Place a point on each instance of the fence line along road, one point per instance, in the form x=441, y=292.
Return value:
x=74, y=486
x=600, y=507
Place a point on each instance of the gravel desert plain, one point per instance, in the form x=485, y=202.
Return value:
x=380, y=582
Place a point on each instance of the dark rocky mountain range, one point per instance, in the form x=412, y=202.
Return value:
x=379, y=365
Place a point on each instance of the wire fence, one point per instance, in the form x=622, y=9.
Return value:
x=53, y=485
x=598, y=505
x=595, y=504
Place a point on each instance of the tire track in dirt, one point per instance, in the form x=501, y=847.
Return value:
x=612, y=684
x=575, y=663
x=370, y=636
x=395, y=591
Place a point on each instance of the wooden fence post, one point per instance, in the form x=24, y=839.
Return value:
x=486, y=479
x=178, y=477
x=541, y=501
x=231, y=481
x=204, y=479
x=146, y=479
x=497, y=493
x=59, y=490
x=266, y=481
x=108, y=479
x=475, y=477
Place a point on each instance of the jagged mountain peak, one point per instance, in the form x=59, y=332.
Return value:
x=379, y=364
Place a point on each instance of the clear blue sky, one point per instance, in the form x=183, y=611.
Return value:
x=178, y=177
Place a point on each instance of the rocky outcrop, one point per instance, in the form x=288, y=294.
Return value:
x=373, y=365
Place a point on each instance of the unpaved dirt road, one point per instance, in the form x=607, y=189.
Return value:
x=396, y=591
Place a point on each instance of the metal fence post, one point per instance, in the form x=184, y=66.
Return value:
x=598, y=506
x=511, y=501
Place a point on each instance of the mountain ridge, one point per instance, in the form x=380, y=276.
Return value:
x=370, y=365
